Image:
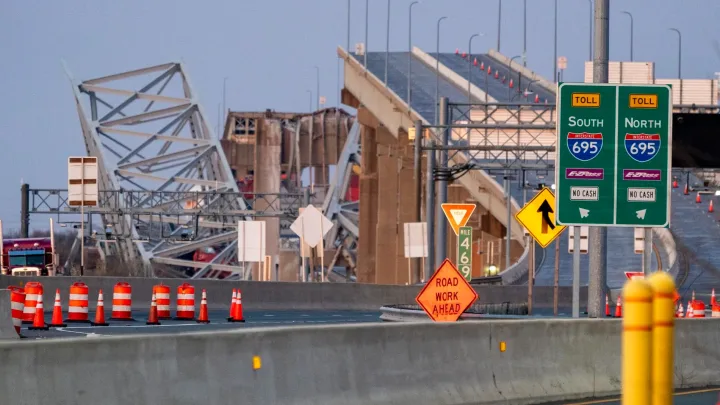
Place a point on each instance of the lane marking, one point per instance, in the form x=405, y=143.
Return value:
x=87, y=334
x=676, y=394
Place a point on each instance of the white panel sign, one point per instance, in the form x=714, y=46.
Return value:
x=584, y=231
x=251, y=241
x=83, y=181
x=639, y=240
x=415, y=239
x=311, y=225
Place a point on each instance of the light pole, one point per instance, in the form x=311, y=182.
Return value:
x=311, y=100
x=555, y=65
x=224, y=98
x=437, y=70
x=367, y=18
x=499, y=23
x=524, y=55
x=410, y=50
x=317, y=87
x=387, y=42
x=679, y=52
x=590, y=29
x=348, y=26
x=470, y=65
x=631, y=34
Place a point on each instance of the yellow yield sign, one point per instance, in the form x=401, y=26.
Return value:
x=538, y=217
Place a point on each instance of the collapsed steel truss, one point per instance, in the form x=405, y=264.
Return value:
x=157, y=139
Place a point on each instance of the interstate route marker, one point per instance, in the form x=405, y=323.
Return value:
x=447, y=294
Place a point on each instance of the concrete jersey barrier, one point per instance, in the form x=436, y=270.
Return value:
x=399, y=364
x=7, y=330
x=258, y=295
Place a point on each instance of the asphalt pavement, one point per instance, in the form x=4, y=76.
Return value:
x=708, y=396
x=218, y=321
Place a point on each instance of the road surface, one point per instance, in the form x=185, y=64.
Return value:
x=218, y=321
x=708, y=396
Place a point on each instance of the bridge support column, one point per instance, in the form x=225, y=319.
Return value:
x=406, y=206
x=267, y=180
x=387, y=219
x=368, y=206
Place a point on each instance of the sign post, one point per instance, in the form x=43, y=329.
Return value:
x=464, y=253
x=82, y=191
x=613, y=159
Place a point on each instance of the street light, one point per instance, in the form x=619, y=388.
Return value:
x=679, y=52
x=499, y=23
x=437, y=71
x=348, y=26
x=387, y=43
x=317, y=87
x=367, y=18
x=631, y=34
x=510, y=73
x=590, y=28
x=470, y=63
x=311, y=99
x=410, y=49
x=555, y=76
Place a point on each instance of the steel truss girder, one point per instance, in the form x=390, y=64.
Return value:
x=335, y=206
x=152, y=128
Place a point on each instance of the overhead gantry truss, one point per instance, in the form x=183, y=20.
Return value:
x=153, y=138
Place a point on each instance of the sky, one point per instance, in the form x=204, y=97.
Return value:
x=268, y=50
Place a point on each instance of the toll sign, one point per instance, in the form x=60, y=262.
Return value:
x=447, y=294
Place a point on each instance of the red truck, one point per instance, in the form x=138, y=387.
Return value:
x=27, y=256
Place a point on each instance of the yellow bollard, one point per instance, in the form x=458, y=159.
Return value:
x=662, y=337
x=636, y=342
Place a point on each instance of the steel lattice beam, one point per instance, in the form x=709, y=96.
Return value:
x=150, y=133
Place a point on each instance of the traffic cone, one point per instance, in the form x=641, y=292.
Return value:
x=679, y=313
x=504, y=79
x=489, y=70
x=686, y=192
x=39, y=320
x=697, y=198
x=511, y=83
x=618, y=308
x=57, y=321
x=463, y=55
x=675, y=184
x=457, y=51
x=474, y=61
x=607, y=306
x=238, y=315
x=153, y=317
x=537, y=98
x=482, y=65
x=203, y=318
x=232, y=305
x=710, y=207
x=713, y=300
x=689, y=313
x=497, y=74
x=99, y=312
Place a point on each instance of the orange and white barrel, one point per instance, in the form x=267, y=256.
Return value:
x=716, y=311
x=78, y=303
x=185, y=302
x=17, y=306
x=33, y=290
x=698, y=309
x=122, y=302
x=162, y=300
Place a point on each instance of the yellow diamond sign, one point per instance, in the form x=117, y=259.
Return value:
x=538, y=217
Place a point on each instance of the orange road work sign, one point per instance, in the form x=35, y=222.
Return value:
x=447, y=294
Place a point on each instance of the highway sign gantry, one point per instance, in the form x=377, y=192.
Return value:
x=538, y=217
x=614, y=156
x=446, y=295
x=457, y=214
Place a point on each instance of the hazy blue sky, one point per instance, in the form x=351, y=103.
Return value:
x=268, y=49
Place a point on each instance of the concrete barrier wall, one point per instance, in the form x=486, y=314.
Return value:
x=282, y=295
x=7, y=330
x=411, y=363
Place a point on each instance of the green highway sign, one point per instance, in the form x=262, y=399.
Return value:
x=464, y=257
x=613, y=163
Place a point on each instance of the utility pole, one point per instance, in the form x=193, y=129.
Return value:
x=597, y=236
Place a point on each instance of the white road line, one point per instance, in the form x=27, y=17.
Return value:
x=134, y=326
x=87, y=334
